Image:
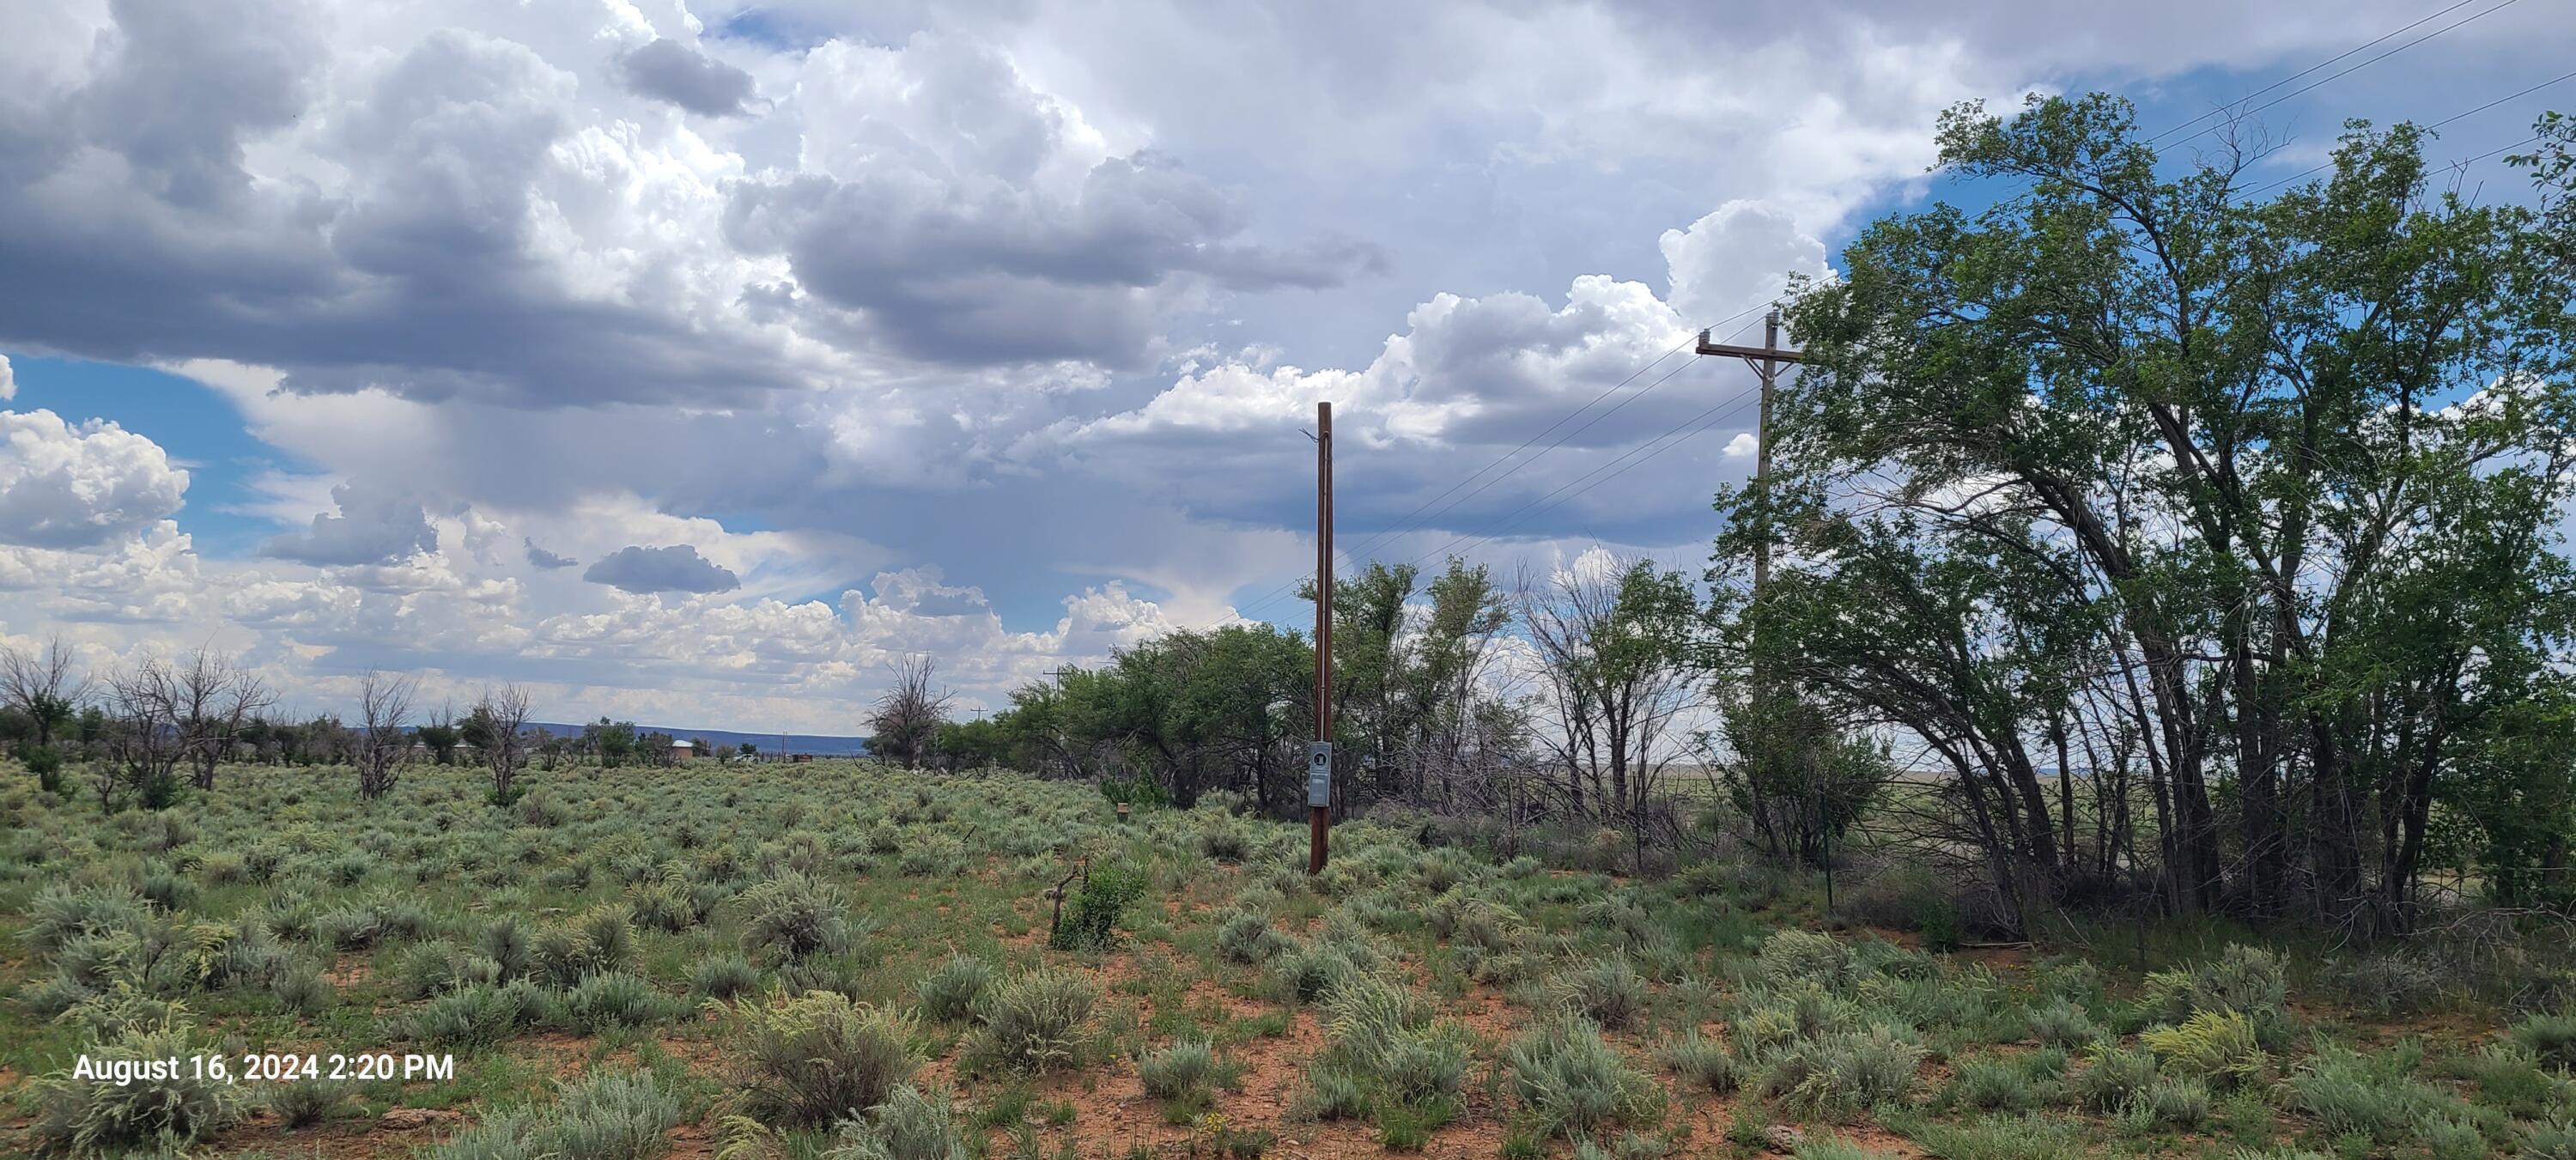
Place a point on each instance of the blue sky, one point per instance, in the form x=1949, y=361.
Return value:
x=982, y=331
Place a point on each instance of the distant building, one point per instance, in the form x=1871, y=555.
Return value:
x=683, y=751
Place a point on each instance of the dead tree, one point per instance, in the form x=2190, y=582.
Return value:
x=211, y=699
x=143, y=743
x=1609, y=639
x=496, y=727
x=384, y=717
x=41, y=685
x=904, y=726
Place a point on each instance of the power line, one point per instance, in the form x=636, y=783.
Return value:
x=1636, y=456
x=1659, y=381
x=2459, y=116
x=1240, y=613
x=2381, y=39
x=2312, y=86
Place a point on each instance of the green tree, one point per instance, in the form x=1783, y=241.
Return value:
x=612, y=741
x=2266, y=490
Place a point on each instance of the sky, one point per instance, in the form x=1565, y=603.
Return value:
x=694, y=361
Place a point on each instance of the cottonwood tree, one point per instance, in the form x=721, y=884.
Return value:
x=904, y=725
x=496, y=727
x=2257, y=497
x=1408, y=675
x=383, y=729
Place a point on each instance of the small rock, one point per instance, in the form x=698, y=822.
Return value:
x=400, y=1118
x=1782, y=1137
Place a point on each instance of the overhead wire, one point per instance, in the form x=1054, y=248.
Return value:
x=1242, y=612
x=2474, y=16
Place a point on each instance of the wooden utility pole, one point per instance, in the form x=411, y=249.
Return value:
x=1319, y=757
x=1766, y=361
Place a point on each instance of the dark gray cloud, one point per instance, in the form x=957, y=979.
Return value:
x=668, y=70
x=676, y=568
x=131, y=227
x=1000, y=276
x=374, y=526
x=545, y=559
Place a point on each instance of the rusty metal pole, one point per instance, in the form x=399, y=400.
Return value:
x=1319, y=758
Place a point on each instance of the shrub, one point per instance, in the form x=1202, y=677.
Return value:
x=1571, y=1082
x=1385, y=1034
x=61, y=913
x=164, y=888
x=2115, y=1076
x=427, y=969
x=2178, y=1103
x=613, y=999
x=607, y=1116
x=1090, y=918
x=1989, y=1083
x=2451, y=1135
x=1834, y=1148
x=1178, y=1070
x=932, y=856
x=2022, y=1137
x=2215, y=1046
x=1701, y=1061
x=2061, y=1023
x=2551, y=1038
x=1332, y=1093
x=302, y=989
x=1842, y=1071
x=476, y=1015
x=87, y=1117
x=2509, y=1077
x=2390, y=985
x=1610, y=992
x=506, y=941
x=912, y=1124
x=809, y=1059
x=539, y=809
x=1309, y=971
x=1792, y=955
x=1465, y=920
x=794, y=915
x=2348, y=1093
x=1224, y=842
x=1037, y=1020
x=948, y=992
x=723, y=976
x=842, y=974
x=122, y=1011
x=2246, y=980
x=1246, y=937
x=307, y=1101
x=671, y=904
x=2551, y=1139
x=223, y=868
x=1364, y=1009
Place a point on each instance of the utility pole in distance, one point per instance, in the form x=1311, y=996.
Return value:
x=1319, y=757
x=1766, y=361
